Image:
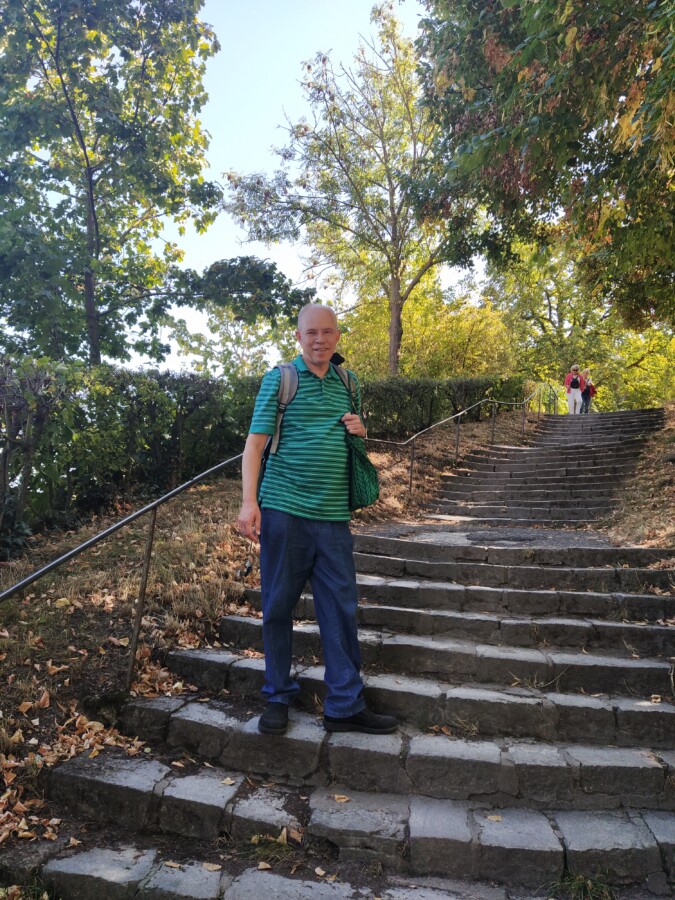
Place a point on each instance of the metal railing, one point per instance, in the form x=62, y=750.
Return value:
x=544, y=388
x=151, y=510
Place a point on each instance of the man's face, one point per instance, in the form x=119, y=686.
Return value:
x=318, y=336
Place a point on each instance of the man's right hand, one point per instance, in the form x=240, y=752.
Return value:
x=248, y=520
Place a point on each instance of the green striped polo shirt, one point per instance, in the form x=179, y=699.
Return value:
x=307, y=476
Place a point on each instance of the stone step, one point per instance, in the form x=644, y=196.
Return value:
x=467, y=661
x=594, y=428
x=515, y=631
x=129, y=870
x=434, y=764
x=524, y=512
x=578, y=495
x=590, y=468
x=506, y=522
x=518, y=576
x=560, y=480
x=603, y=419
x=432, y=595
x=599, y=422
x=532, y=451
x=585, y=439
x=429, y=542
x=409, y=833
x=480, y=711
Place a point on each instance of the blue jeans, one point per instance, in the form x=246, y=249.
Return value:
x=293, y=551
x=585, y=404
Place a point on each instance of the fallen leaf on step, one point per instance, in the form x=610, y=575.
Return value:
x=495, y=818
x=44, y=701
x=172, y=865
x=341, y=798
x=73, y=842
x=283, y=837
x=211, y=867
x=227, y=781
x=655, y=698
x=319, y=871
x=264, y=865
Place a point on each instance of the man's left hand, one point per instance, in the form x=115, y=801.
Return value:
x=353, y=424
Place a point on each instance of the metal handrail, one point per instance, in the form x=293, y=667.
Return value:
x=102, y=535
x=495, y=403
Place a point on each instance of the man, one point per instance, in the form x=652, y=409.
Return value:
x=302, y=523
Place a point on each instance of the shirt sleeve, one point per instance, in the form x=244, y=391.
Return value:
x=266, y=403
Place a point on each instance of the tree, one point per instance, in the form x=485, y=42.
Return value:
x=342, y=185
x=250, y=306
x=445, y=335
x=558, y=109
x=99, y=143
x=553, y=323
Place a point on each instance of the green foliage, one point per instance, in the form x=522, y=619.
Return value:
x=72, y=441
x=443, y=336
x=342, y=187
x=250, y=306
x=396, y=408
x=553, y=323
x=582, y=887
x=555, y=107
x=99, y=142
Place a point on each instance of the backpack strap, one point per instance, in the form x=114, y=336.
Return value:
x=349, y=383
x=288, y=388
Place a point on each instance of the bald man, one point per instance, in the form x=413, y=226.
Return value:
x=302, y=522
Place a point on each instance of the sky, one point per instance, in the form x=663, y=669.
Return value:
x=253, y=84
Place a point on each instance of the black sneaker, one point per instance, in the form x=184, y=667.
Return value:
x=365, y=721
x=274, y=719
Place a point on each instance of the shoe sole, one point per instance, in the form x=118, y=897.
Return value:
x=264, y=730
x=362, y=729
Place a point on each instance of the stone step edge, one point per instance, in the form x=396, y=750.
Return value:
x=411, y=833
x=519, y=773
x=435, y=595
x=495, y=554
x=473, y=661
x=477, y=710
x=372, y=563
x=492, y=521
x=141, y=871
x=586, y=629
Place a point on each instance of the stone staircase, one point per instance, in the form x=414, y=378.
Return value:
x=570, y=474
x=532, y=672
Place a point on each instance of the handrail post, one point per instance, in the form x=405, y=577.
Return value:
x=522, y=424
x=539, y=407
x=494, y=421
x=412, y=465
x=555, y=403
x=140, y=603
x=459, y=419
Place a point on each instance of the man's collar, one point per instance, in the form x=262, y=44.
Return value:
x=301, y=366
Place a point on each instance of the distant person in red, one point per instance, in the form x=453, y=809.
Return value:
x=574, y=385
x=587, y=392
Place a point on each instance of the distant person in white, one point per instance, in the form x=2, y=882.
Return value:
x=574, y=385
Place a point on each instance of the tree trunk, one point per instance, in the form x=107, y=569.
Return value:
x=93, y=323
x=395, y=324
